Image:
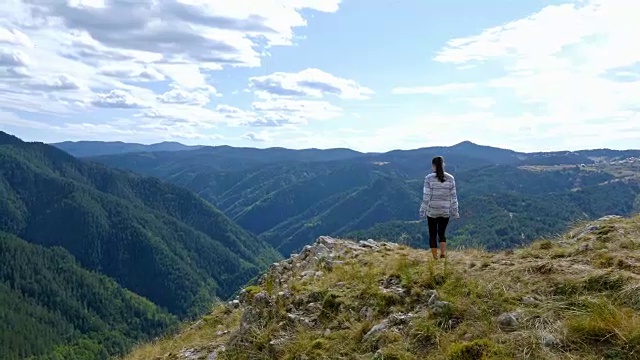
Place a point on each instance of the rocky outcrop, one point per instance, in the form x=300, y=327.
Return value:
x=380, y=300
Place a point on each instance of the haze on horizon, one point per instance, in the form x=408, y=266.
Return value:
x=371, y=76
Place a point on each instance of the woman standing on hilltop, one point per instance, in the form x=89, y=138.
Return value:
x=439, y=202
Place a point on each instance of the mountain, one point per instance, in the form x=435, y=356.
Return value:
x=218, y=159
x=572, y=297
x=52, y=308
x=96, y=148
x=154, y=239
x=288, y=197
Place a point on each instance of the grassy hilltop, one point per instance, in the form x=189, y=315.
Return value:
x=573, y=297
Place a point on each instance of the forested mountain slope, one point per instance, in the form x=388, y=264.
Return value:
x=52, y=308
x=159, y=241
x=289, y=198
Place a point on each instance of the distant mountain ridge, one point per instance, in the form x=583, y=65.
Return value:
x=290, y=197
x=500, y=155
x=96, y=148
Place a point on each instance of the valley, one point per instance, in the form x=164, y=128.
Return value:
x=101, y=253
x=288, y=198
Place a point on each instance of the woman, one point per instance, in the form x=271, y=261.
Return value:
x=439, y=202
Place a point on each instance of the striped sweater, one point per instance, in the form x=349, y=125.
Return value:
x=439, y=199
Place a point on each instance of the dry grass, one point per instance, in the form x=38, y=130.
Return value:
x=578, y=297
x=205, y=334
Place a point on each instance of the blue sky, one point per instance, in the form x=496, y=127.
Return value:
x=371, y=75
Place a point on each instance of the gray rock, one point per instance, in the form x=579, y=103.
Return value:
x=188, y=354
x=440, y=306
x=591, y=228
x=277, y=342
x=320, y=249
x=262, y=300
x=314, y=307
x=509, y=321
x=234, y=304
x=384, y=325
x=548, y=340
x=300, y=320
x=308, y=274
x=285, y=295
x=369, y=244
x=528, y=300
x=398, y=290
x=366, y=313
x=400, y=319
x=610, y=217
x=327, y=241
x=433, y=297
x=585, y=247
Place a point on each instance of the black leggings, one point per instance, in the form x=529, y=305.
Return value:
x=437, y=227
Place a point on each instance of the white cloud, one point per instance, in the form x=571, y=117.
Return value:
x=117, y=99
x=162, y=66
x=574, y=63
x=132, y=72
x=60, y=82
x=155, y=61
x=14, y=58
x=199, y=97
x=14, y=37
x=309, y=82
x=293, y=98
x=279, y=112
x=262, y=136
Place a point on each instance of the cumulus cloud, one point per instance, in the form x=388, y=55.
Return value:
x=117, y=99
x=61, y=82
x=153, y=60
x=177, y=95
x=285, y=99
x=194, y=31
x=309, y=82
x=279, y=112
x=14, y=58
x=258, y=137
x=568, y=66
x=132, y=72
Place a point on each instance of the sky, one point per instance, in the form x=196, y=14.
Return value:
x=371, y=75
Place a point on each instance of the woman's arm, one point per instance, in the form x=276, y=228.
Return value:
x=454, y=200
x=426, y=196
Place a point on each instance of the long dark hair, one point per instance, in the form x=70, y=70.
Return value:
x=438, y=161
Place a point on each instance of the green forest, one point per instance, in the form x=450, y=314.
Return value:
x=288, y=198
x=52, y=308
x=105, y=252
x=161, y=242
